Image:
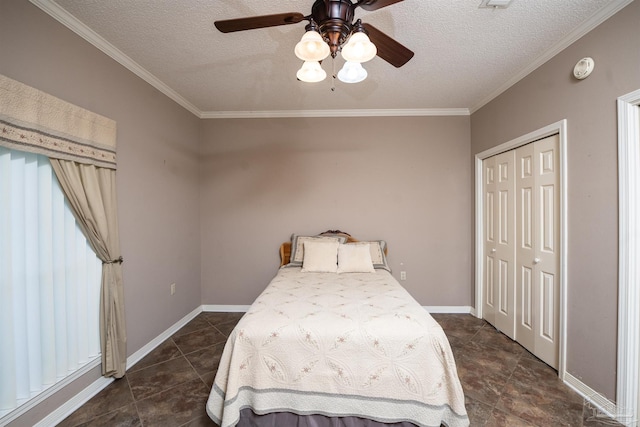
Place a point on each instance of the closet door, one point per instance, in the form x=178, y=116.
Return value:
x=537, y=254
x=489, y=194
x=499, y=301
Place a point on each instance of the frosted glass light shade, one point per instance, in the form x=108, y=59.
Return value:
x=352, y=72
x=312, y=47
x=311, y=72
x=359, y=48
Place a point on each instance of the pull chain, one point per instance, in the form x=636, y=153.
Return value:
x=333, y=73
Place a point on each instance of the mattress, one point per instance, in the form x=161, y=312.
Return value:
x=338, y=345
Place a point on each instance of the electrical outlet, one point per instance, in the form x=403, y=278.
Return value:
x=173, y=288
x=403, y=275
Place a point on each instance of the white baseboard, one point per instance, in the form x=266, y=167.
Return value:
x=20, y=411
x=226, y=308
x=450, y=309
x=71, y=405
x=138, y=355
x=98, y=385
x=601, y=405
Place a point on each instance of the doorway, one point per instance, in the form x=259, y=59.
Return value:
x=521, y=235
x=484, y=251
x=628, y=379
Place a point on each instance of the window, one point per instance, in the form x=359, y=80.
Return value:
x=49, y=283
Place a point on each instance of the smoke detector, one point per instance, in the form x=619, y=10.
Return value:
x=583, y=68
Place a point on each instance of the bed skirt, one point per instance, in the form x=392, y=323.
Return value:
x=248, y=418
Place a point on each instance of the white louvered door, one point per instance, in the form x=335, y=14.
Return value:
x=521, y=233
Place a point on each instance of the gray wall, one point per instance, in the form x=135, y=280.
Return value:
x=404, y=180
x=157, y=173
x=550, y=94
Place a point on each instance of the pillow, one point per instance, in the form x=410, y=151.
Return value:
x=378, y=258
x=355, y=259
x=297, y=246
x=320, y=256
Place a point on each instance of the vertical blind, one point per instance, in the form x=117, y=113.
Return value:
x=49, y=283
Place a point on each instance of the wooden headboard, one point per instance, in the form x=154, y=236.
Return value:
x=285, y=248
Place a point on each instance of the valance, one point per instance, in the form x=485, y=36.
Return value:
x=36, y=122
x=81, y=147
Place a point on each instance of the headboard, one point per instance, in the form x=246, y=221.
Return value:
x=285, y=248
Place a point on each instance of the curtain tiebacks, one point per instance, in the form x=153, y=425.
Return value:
x=115, y=261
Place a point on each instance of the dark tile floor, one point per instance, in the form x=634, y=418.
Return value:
x=504, y=384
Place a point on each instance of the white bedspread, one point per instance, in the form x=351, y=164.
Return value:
x=354, y=344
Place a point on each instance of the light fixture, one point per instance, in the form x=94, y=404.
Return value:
x=333, y=28
x=352, y=72
x=312, y=47
x=331, y=37
x=359, y=48
x=311, y=72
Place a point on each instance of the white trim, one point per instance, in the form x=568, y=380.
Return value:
x=226, y=308
x=479, y=203
x=601, y=403
x=65, y=18
x=335, y=113
x=148, y=348
x=564, y=248
x=74, y=24
x=61, y=15
x=628, y=379
x=32, y=403
x=602, y=15
x=71, y=405
x=559, y=128
x=99, y=384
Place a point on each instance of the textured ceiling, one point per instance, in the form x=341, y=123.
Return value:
x=464, y=55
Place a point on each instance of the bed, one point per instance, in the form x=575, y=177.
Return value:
x=335, y=340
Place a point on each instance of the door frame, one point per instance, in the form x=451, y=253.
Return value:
x=628, y=378
x=559, y=128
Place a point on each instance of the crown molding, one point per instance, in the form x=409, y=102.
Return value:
x=335, y=113
x=65, y=18
x=61, y=15
x=597, y=19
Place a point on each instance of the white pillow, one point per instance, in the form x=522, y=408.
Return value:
x=355, y=259
x=297, y=246
x=320, y=256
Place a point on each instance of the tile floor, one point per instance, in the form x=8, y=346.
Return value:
x=504, y=384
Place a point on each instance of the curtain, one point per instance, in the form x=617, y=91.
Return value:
x=82, y=149
x=92, y=196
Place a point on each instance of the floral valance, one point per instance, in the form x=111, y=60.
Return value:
x=36, y=122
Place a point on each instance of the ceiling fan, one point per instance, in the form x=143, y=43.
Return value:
x=331, y=30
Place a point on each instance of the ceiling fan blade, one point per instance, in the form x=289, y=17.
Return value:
x=376, y=4
x=388, y=49
x=241, y=24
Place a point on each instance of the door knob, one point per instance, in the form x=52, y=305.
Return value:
x=536, y=260
x=493, y=251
